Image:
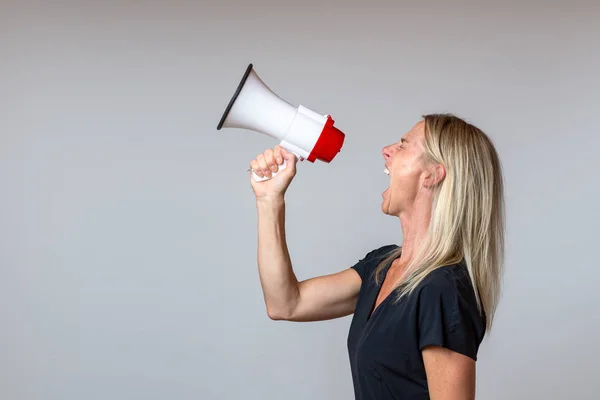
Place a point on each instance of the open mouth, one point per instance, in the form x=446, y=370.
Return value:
x=387, y=172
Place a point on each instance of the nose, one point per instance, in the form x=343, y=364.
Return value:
x=386, y=152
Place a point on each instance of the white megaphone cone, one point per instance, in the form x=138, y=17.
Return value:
x=301, y=131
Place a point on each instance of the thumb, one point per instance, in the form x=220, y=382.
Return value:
x=289, y=157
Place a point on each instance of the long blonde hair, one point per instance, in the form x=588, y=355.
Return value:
x=467, y=214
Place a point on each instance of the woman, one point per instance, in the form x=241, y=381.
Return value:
x=420, y=309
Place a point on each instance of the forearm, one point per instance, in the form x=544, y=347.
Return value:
x=278, y=281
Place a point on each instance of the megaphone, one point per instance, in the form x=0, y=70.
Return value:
x=302, y=131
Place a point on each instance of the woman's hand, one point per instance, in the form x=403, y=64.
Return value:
x=267, y=163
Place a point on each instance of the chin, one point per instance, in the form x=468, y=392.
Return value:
x=386, y=211
x=388, y=208
x=387, y=201
x=385, y=206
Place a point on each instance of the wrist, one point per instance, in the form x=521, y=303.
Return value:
x=270, y=201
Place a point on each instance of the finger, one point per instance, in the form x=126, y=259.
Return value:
x=256, y=168
x=278, y=156
x=270, y=159
x=262, y=164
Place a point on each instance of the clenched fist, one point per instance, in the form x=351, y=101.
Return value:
x=265, y=164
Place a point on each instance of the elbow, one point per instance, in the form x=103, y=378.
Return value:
x=278, y=314
x=275, y=316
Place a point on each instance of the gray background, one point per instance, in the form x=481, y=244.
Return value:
x=128, y=225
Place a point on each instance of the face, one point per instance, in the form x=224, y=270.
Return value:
x=407, y=170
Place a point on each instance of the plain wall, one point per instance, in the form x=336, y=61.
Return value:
x=128, y=224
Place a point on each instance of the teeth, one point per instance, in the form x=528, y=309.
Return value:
x=386, y=171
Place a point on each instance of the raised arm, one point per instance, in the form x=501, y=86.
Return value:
x=319, y=298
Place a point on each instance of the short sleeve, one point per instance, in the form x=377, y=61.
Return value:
x=370, y=261
x=447, y=318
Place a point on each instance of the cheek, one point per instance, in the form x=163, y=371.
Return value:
x=405, y=179
x=406, y=170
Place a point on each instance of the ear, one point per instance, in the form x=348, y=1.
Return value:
x=436, y=175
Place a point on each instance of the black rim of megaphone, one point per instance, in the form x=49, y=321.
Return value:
x=236, y=94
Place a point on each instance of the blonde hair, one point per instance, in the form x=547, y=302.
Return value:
x=467, y=214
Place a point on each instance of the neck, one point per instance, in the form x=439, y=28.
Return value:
x=414, y=222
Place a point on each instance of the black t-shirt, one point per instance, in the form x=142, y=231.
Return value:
x=385, y=348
